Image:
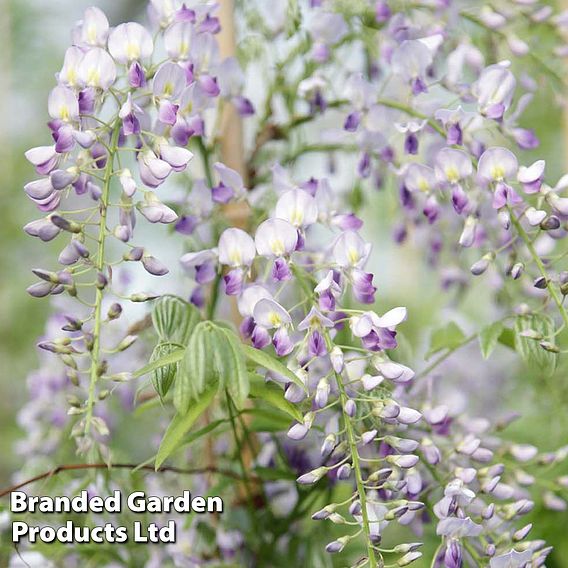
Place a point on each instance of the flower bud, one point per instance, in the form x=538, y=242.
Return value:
x=337, y=545
x=344, y=471
x=409, y=558
x=522, y=533
x=482, y=264
x=550, y=347
x=322, y=393
x=368, y=437
x=516, y=270
x=312, y=476
x=323, y=513
x=550, y=223
x=134, y=254
x=101, y=281
x=350, y=408
x=141, y=297
x=541, y=283
x=337, y=361
x=126, y=342
x=328, y=445
x=64, y=224
x=114, y=311
x=337, y=519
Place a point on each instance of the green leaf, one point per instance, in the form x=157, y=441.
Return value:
x=272, y=474
x=529, y=349
x=230, y=363
x=172, y=357
x=163, y=377
x=196, y=371
x=507, y=338
x=174, y=319
x=448, y=337
x=181, y=424
x=270, y=363
x=264, y=420
x=274, y=396
x=489, y=337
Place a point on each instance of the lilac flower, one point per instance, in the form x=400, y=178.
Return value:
x=130, y=42
x=93, y=29
x=411, y=61
x=96, y=69
x=230, y=184
x=275, y=238
x=494, y=90
x=297, y=207
x=350, y=250
x=270, y=314
x=236, y=248
x=532, y=176
x=63, y=104
x=177, y=40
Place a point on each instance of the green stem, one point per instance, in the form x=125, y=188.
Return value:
x=355, y=459
x=540, y=265
x=443, y=357
x=99, y=265
x=412, y=112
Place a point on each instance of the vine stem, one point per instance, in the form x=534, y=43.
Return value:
x=355, y=458
x=540, y=265
x=86, y=466
x=99, y=265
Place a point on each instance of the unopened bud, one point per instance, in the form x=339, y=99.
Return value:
x=550, y=347
x=141, y=297
x=550, y=223
x=64, y=224
x=516, y=270
x=134, y=254
x=541, y=282
x=126, y=342
x=114, y=311
x=102, y=281
x=409, y=558
x=482, y=264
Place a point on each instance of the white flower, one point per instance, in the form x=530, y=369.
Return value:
x=270, y=314
x=275, y=237
x=297, y=207
x=130, y=42
x=350, y=250
x=236, y=248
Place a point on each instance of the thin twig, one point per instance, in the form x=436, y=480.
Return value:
x=83, y=466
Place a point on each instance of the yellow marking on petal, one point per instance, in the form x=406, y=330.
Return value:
x=423, y=185
x=64, y=113
x=93, y=77
x=132, y=50
x=353, y=255
x=452, y=174
x=92, y=34
x=72, y=76
x=168, y=89
x=184, y=49
x=297, y=217
x=274, y=319
x=497, y=172
x=277, y=247
x=235, y=256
